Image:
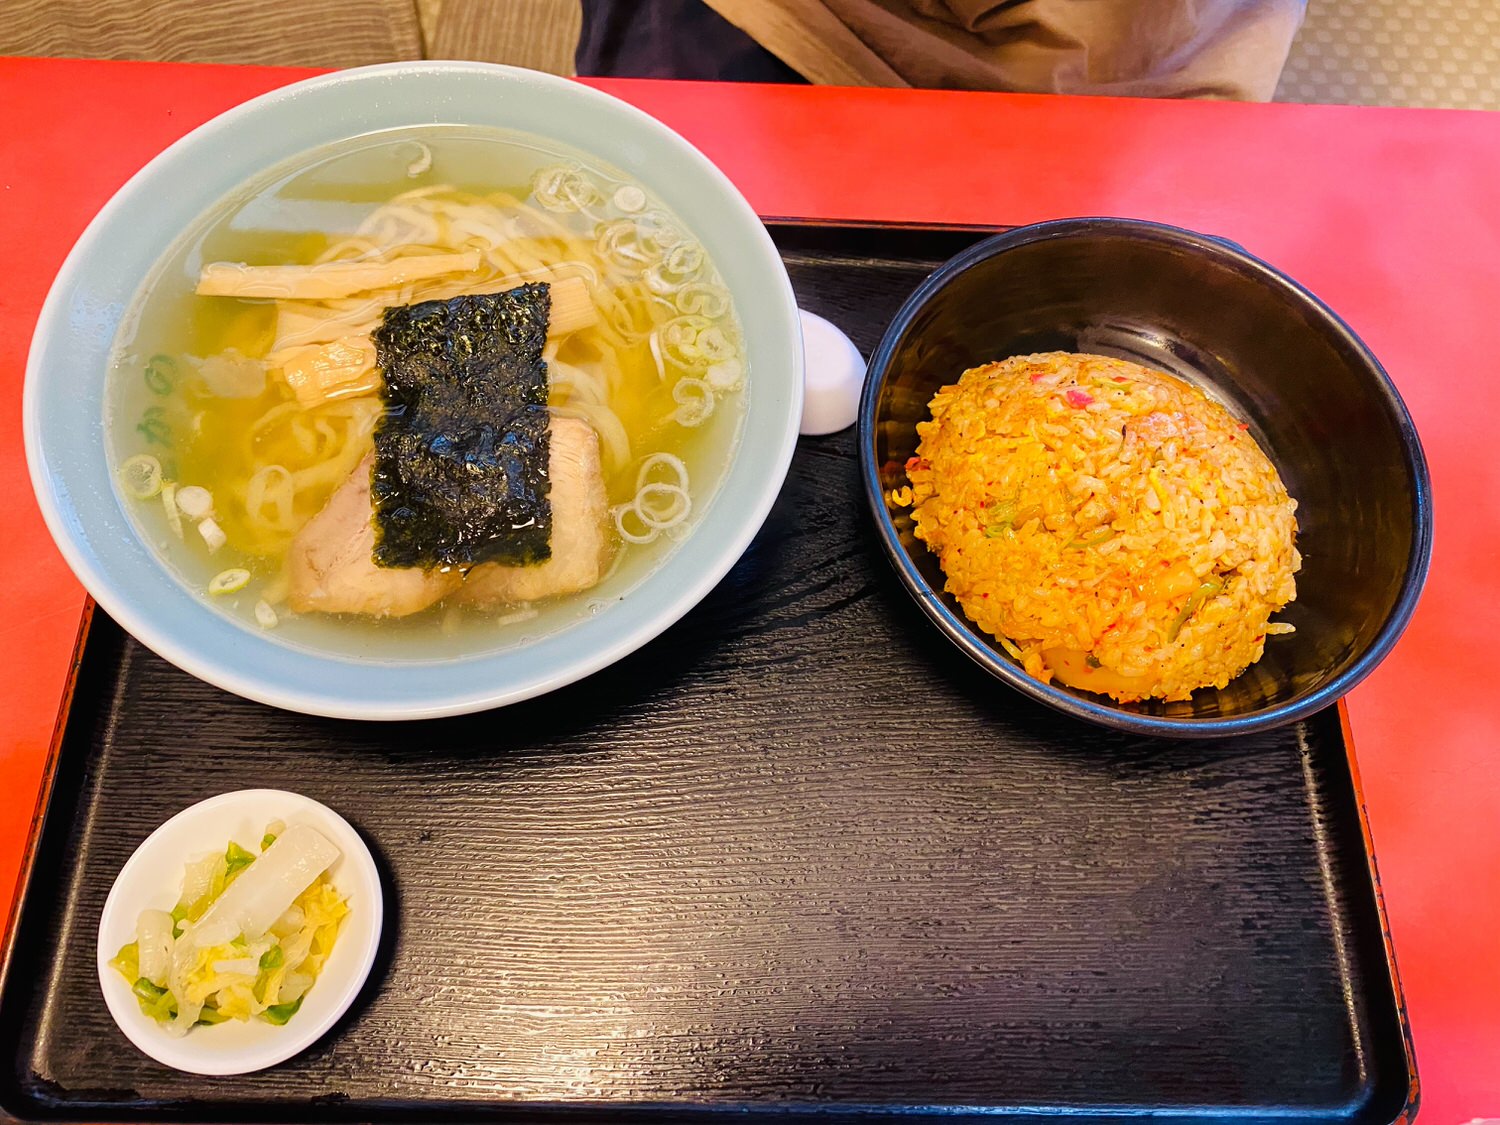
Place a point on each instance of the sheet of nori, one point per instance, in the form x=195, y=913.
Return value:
x=461, y=455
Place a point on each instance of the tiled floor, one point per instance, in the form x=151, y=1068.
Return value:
x=1436, y=53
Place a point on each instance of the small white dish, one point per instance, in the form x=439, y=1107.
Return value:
x=152, y=879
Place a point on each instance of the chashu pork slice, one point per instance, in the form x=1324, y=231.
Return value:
x=580, y=518
x=331, y=568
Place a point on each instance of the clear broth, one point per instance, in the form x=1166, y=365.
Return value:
x=289, y=216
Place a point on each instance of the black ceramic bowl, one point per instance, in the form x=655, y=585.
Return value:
x=1197, y=307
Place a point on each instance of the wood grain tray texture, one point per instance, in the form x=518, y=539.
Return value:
x=796, y=856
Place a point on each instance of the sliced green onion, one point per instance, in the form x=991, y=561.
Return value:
x=169, y=504
x=562, y=189
x=683, y=260
x=1009, y=646
x=1092, y=538
x=230, y=581
x=630, y=198
x=196, y=503
x=422, y=163
x=1194, y=604
x=1009, y=515
x=1004, y=514
x=212, y=534
x=703, y=300
x=695, y=401
x=618, y=514
x=725, y=375
x=161, y=374
x=714, y=345
x=141, y=476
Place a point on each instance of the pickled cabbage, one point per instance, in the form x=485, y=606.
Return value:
x=247, y=939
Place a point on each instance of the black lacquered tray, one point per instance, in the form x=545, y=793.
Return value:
x=797, y=856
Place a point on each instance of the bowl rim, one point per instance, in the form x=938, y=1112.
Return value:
x=1064, y=700
x=382, y=688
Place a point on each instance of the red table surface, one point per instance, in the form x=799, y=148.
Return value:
x=1391, y=215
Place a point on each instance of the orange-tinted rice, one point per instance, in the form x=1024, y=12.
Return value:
x=1114, y=527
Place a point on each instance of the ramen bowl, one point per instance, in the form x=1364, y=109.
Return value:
x=72, y=423
x=1313, y=396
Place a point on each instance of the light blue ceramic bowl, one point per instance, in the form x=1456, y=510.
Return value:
x=65, y=388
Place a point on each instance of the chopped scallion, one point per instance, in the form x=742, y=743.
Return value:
x=1092, y=538
x=196, y=503
x=213, y=535
x=630, y=198
x=1194, y=604
x=140, y=476
x=230, y=581
x=169, y=505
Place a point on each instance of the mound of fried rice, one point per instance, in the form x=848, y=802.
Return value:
x=1111, y=526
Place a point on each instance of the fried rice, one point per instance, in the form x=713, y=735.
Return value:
x=1110, y=525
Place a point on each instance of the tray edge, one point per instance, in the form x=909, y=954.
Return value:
x=808, y=225
x=1413, y=1101
x=39, y=814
